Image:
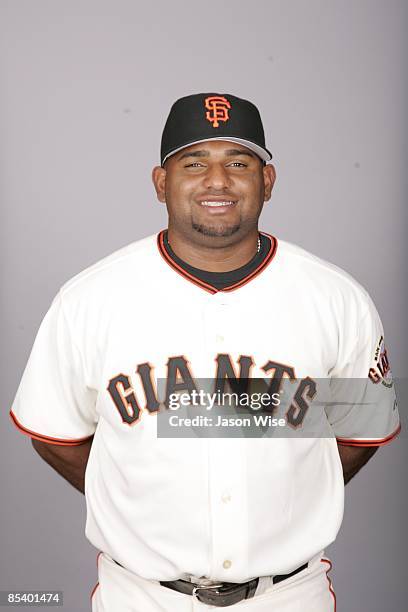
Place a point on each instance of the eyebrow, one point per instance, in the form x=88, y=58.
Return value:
x=204, y=153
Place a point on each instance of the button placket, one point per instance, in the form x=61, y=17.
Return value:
x=226, y=464
x=227, y=485
x=217, y=318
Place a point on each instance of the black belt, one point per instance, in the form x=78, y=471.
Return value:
x=224, y=593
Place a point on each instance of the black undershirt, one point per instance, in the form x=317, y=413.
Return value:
x=220, y=280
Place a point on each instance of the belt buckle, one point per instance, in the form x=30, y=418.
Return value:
x=202, y=587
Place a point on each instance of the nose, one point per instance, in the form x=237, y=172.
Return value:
x=217, y=177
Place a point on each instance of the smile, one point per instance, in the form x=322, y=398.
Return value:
x=214, y=204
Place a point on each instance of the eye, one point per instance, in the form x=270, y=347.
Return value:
x=238, y=164
x=194, y=165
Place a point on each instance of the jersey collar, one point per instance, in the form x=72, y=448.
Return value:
x=206, y=286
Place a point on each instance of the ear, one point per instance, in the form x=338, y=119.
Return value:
x=269, y=175
x=159, y=182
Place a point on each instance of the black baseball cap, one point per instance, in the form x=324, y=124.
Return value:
x=213, y=116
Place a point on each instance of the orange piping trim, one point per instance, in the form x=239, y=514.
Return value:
x=381, y=442
x=93, y=590
x=43, y=438
x=179, y=269
x=330, y=582
x=97, y=567
x=268, y=258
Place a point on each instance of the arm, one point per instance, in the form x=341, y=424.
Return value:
x=69, y=461
x=353, y=459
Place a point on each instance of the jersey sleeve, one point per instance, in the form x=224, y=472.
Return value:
x=53, y=403
x=363, y=407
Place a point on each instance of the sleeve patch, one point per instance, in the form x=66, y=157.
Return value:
x=381, y=370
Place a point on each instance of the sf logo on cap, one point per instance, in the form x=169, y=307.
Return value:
x=217, y=109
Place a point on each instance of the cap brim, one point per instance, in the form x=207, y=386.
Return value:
x=264, y=154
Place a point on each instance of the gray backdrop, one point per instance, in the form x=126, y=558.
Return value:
x=86, y=87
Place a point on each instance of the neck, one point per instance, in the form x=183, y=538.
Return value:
x=214, y=254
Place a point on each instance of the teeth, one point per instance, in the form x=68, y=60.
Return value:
x=209, y=203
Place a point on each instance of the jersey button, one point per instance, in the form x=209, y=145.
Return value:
x=226, y=498
x=227, y=564
x=219, y=338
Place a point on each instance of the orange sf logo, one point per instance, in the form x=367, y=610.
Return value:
x=217, y=109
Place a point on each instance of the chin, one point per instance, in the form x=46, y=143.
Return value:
x=216, y=230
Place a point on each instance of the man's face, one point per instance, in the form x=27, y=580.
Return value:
x=214, y=189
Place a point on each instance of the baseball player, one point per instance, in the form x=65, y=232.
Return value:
x=203, y=522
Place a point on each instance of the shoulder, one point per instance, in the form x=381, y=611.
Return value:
x=115, y=270
x=314, y=275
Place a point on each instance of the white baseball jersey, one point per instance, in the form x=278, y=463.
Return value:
x=230, y=509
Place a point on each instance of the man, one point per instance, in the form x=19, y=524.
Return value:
x=200, y=522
